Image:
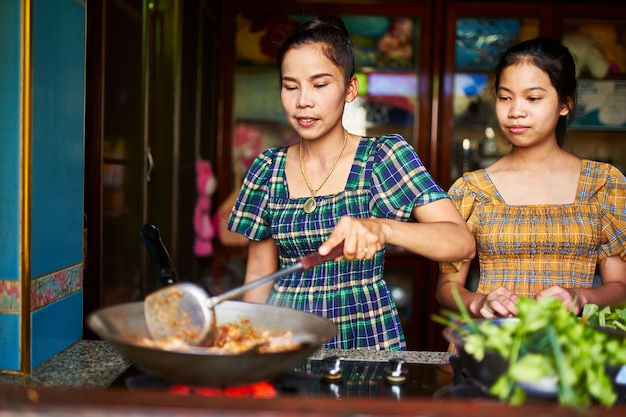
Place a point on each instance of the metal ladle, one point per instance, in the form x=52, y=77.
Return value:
x=185, y=312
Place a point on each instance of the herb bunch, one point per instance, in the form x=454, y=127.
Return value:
x=612, y=317
x=547, y=341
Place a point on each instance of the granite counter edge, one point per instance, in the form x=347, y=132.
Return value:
x=96, y=364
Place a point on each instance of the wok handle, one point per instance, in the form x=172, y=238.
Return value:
x=306, y=262
x=165, y=273
x=315, y=259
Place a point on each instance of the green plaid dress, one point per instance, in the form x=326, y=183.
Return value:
x=387, y=180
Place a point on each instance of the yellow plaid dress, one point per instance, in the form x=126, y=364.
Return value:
x=529, y=248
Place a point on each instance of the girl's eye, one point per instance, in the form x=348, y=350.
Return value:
x=289, y=87
x=502, y=98
x=534, y=98
x=320, y=85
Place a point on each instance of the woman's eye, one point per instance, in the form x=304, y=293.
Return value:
x=534, y=98
x=320, y=85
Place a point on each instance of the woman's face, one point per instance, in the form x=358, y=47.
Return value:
x=527, y=105
x=313, y=91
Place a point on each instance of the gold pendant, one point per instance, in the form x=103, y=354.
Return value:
x=309, y=205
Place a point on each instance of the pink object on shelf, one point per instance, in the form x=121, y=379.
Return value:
x=203, y=226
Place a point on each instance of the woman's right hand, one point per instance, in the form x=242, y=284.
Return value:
x=362, y=237
x=501, y=302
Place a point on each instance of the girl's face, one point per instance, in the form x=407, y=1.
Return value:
x=527, y=105
x=313, y=91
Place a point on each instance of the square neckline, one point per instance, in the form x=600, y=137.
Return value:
x=351, y=182
x=579, y=188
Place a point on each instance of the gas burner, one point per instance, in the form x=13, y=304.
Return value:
x=333, y=376
x=290, y=383
x=395, y=372
x=332, y=368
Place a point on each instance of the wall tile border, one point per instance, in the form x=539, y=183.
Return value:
x=49, y=288
x=10, y=298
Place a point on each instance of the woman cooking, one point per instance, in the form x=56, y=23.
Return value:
x=336, y=187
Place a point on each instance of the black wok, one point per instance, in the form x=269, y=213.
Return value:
x=117, y=324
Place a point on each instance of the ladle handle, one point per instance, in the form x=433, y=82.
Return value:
x=315, y=259
x=304, y=263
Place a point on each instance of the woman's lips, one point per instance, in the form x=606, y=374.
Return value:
x=518, y=129
x=305, y=121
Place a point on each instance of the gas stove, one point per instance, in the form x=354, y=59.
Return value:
x=332, y=376
x=336, y=377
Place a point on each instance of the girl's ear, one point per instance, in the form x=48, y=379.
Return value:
x=352, y=90
x=566, y=107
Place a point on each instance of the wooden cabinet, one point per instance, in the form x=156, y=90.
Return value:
x=148, y=66
x=443, y=106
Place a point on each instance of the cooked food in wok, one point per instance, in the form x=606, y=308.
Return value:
x=231, y=339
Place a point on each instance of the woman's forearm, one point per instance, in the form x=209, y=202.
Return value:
x=440, y=241
x=262, y=261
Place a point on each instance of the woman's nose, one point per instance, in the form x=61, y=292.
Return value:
x=516, y=110
x=304, y=98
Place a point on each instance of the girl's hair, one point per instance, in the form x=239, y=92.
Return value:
x=331, y=33
x=557, y=62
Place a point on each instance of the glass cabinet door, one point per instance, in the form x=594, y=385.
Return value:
x=478, y=44
x=470, y=138
x=598, y=130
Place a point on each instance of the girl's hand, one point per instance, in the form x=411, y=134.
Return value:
x=566, y=295
x=362, y=238
x=499, y=303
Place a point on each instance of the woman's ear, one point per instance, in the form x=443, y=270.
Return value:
x=352, y=90
x=566, y=107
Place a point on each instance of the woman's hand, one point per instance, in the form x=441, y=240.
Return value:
x=499, y=303
x=362, y=238
x=567, y=295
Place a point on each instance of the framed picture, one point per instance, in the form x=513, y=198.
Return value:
x=601, y=105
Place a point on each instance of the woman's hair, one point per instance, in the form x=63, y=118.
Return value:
x=557, y=62
x=331, y=33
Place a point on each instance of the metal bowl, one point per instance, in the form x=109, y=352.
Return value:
x=487, y=371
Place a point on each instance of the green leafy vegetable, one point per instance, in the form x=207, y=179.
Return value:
x=547, y=341
x=606, y=317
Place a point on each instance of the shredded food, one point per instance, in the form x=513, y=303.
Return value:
x=231, y=339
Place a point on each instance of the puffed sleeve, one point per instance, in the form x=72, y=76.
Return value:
x=464, y=199
x=399, y=180
x=612, y=197
x=249, y=215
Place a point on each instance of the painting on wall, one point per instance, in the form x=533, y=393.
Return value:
x=601, y=105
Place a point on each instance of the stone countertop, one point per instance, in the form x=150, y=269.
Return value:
x=95, y=364
x=49, y=391
x=85, y=364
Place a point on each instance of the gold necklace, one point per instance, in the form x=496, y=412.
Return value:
x=310, y=205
